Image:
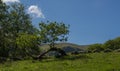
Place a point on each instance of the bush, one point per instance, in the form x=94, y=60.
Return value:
x=27, y=46
x=109, y=45
x=95, y=48
x=118, y=50
x=107, y=50
x=112, y=44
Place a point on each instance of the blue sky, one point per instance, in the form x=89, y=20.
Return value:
x=91, y=21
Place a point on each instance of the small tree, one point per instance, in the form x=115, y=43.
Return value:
x=51, y=33
x=28, y=45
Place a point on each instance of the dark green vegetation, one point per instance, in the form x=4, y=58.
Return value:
x=82, y=62
x=20, y=40
x=51, y=33
x=16, y=32
x=108, y=46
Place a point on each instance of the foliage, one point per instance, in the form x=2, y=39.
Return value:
x=52, y=32
x=117, y=43
x=107, y=50
x=28, y=45
x=95, y=48
x=113, y=44
x=20, y=20
x=4, y=38
x=14, y=22
x=19, y=38
x=108, y=46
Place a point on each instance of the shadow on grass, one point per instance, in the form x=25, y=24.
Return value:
x=69, y=57
x=75, y=57
x=52, y=59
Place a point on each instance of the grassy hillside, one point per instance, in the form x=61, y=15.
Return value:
x=84, y=62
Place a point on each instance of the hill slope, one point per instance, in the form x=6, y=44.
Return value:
x=68, y=47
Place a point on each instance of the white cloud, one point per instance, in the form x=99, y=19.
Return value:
x=33, y=9
x=10, y=1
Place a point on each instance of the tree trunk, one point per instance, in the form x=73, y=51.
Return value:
x=41, y=55
x=51, y=49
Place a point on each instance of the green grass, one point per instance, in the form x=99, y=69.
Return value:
x=83, y=62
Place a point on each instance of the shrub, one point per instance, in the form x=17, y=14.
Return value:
x=107, y=50
x=95, y=48
x=27, y=45
x=112, y=44
x=118, y=50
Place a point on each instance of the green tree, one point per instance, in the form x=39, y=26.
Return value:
x=4, y=27
x=52, y=32
x=13, y=21
x=20, y=22
x=28, y=45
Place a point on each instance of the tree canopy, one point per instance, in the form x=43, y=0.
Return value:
x=20, y=39
x=52, y=32
x=14, y=22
